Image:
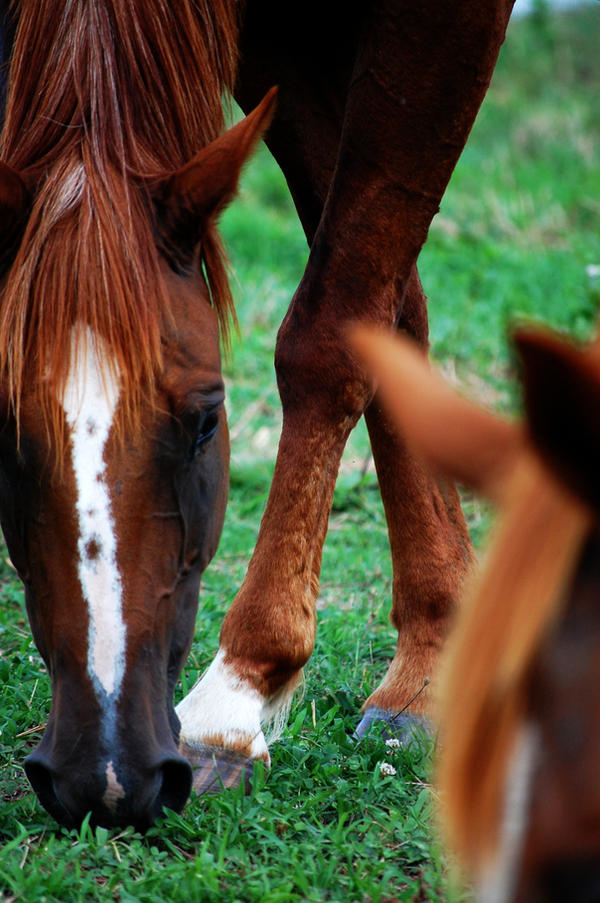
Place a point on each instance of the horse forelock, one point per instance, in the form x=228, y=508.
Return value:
x=87, y=259
x=104, y=99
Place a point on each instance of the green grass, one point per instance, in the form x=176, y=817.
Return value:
x=516, y=233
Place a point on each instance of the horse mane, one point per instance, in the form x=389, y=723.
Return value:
x=105, y=97
x=486, y=677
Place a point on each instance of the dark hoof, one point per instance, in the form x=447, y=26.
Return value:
x=408, y=729
x=215, y=769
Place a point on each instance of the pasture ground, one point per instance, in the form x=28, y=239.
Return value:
x=517, y=237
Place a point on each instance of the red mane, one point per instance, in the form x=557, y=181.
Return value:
x=104, y=99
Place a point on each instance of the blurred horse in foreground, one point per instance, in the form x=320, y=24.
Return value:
x=518, y=694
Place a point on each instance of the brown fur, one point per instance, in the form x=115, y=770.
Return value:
x=367, y=134
x=508, y=612
x=479, y=448
x=104, y=99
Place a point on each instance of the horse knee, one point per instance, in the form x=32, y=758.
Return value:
x=315, y=369
x=269, y=657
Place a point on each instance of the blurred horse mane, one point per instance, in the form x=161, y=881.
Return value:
x=104, y=100
x=507, y=613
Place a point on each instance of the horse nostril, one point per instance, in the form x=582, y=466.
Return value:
x=175, y=786
x=40, y=776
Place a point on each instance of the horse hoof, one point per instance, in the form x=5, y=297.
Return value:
x=408, y=729
x=215, y=769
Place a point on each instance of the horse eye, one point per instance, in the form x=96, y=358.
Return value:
x=207, y=427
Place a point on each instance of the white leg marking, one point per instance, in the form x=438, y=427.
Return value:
x=496, y=884
x=90, y=400
x=223, y=707
x=114, y=790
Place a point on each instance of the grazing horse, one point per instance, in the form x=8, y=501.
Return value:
x=520, y=719
x=113, y=443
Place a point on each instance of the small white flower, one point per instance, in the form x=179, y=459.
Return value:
x=386, y=768
x=593, y=270
x=393, y=743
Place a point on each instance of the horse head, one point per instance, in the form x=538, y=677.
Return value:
x=112, y=493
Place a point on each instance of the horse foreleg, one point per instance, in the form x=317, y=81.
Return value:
x=268, y=633
x=431, y=553
x=418, y=76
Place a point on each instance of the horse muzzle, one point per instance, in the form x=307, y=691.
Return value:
x=115, y=794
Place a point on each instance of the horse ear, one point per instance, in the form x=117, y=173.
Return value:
x=454, y=436
x=195, y=195
x=562, y=399
x=13, y=207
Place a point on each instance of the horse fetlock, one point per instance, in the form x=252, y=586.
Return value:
x=271, y=654
x=405, y=687
x=402, y=700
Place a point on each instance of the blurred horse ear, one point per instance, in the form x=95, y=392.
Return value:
x=14, y=202
x=196, y=194
x=562, y=398
x=453, y=435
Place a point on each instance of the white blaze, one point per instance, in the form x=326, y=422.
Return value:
x=90, y=400
x=114, y=789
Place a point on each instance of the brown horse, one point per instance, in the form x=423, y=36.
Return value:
x=114, y=444
x=520, y=720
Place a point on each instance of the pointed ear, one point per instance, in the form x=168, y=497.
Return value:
x=14, y=204
x=455, y=436
x=562, y=398
x=196, y=194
